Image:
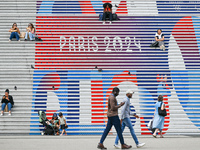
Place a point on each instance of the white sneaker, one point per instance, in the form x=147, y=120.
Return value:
x=104, y=22
x=117, y=146
x=163, y=47
x=140, y=145
x=110, y=22
x=18, y=40
x=42, y=133
x=9, y=114
x=1, y=114
x=9, y=40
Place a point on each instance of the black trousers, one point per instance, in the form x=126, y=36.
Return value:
x=107, y=15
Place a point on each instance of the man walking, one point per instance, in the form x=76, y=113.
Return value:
x=113, y=119
x=126, y=121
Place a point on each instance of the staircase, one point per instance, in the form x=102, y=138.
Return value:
x=80, y=60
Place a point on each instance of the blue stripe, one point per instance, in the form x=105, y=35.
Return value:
x=44, y=5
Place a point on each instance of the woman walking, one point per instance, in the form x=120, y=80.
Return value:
x=158, y=121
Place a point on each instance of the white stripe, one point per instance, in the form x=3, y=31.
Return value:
x=175, y=58
x=85, y=89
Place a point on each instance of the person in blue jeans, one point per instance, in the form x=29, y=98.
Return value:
x=30, y=32
x=7, y=100
x=14, y=32
x=126, y=121
x=113, y=119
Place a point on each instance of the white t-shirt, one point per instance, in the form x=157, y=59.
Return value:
x=159, y=36
x=62, y=120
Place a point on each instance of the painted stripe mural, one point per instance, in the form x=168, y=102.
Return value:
x=80, y=60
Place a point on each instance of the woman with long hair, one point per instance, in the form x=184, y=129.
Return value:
x=30, y=31
x=14, y=32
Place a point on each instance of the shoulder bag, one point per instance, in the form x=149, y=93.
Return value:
x=162, y=112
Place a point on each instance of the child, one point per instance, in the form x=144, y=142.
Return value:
x=62, y=123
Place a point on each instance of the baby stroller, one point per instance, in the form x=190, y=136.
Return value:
x=48, y=127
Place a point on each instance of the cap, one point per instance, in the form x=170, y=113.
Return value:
x=129, y=92
x=54, y=115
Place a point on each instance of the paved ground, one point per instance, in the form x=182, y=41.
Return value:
x=90, y=142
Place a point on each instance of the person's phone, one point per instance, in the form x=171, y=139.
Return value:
x=122, y=103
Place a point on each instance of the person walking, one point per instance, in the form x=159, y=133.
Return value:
x=126, y=121
x=113, y=119
x=158, y=121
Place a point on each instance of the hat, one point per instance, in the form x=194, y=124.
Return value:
x=54, y=115
x=129, y=92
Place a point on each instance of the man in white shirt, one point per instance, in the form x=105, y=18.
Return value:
x=126, y=121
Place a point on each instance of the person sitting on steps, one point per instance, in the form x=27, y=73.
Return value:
x=7, y=100
x=30, y=32
x=107, y=12
x=55, y=123
x=14, y=32
x=160, y=39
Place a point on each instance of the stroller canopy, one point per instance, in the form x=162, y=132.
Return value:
x=42, y=116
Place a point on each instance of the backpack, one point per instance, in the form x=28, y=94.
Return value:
x=155, y=44
x=38, y=39
x=115, y=17
x=100, y=17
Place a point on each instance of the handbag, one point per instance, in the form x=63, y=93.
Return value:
x=155, y=44
x=66, y=126
x=162, y=112
x=115, y=17
x=100, y=17
x=150, y=124
x=38, y=39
